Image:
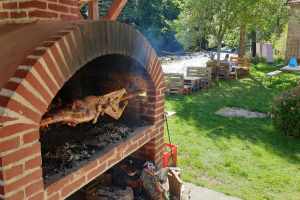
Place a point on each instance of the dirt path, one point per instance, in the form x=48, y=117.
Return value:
x=193, y=192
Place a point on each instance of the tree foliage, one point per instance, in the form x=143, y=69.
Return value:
x=222, y=19
x=152, y=19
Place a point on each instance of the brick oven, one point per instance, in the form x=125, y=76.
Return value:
x=48, y=53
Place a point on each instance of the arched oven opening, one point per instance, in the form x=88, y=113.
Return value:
x=65, y=147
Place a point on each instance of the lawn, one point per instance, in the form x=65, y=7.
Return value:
x=246, y=158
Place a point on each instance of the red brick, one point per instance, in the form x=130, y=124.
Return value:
x=15, y=128
x=1, y=175
x=10, y=5
x=155, y=71
x=39, y=196
x=58, y=7
x=18, y=196
x=72, y=186
x=54, y=197
x=42, y=72
x=56, y=186
x=42, y=14
x=18, y=14
x=130, y=148
x=23, y=181
x=66, y=54
x=96, y=172
x=9, y=144
x=20, y=154
x=69, y=2
x=74, y=10
x=115, y=159
x=59, y=61
x=3, y=15
x=24, y=92
x=31, y=137
x=12, y=172
x=53, y=69
x=34, y=188
x=90, y=166
x=73, y=47
x=1, y=190
x=151, y=68
x=69, y=17
x=29, y=62
x=33, y=163
x=6, y=119
x=34, y=83
x=160, y=80
x=17, y=107
x=33, y=4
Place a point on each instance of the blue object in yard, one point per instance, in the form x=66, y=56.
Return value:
x=293, y=62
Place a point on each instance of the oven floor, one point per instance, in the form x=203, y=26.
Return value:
x=78, y=153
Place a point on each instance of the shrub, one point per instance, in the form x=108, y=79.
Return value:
x=286, y=112
x=257, y=60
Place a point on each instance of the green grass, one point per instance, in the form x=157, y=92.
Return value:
x=246, y=158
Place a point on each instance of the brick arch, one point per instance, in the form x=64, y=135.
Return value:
x=25, y=98
x=27, y=95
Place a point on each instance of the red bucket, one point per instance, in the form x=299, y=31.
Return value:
x=170, y=156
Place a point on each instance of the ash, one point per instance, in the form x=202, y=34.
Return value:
x=65, y=149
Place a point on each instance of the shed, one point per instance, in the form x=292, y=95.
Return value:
x=293, y=38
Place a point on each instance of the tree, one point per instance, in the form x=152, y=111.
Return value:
x=151, y=18
x=209, y=18
x=221, y=18
x=265, y=16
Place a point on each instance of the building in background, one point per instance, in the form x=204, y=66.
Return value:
x=293, y=38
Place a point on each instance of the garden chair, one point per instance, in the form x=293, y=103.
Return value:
x=242, y=65
x=223, y=71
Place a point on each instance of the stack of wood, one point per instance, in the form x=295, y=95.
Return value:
x=175, y=84
x=154, y=184
x=175, y=183
x=202, y=74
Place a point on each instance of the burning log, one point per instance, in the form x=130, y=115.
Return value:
x=90, y=109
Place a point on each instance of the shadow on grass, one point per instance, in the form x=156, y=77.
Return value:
x=250, y=93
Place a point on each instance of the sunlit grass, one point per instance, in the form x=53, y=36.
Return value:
x=246, y=158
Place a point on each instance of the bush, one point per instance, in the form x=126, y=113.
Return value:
x=257, y=60
x=286, y=112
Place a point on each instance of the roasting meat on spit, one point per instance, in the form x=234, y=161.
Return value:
x=90, y=109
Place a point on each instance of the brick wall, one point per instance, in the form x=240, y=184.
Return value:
x=293, y=38
x=26, y=96
x=29, y=10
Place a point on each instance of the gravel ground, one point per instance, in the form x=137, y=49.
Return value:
x=193, y=192
x=178, y=64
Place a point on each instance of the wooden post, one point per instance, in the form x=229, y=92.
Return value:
x=93, y=10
